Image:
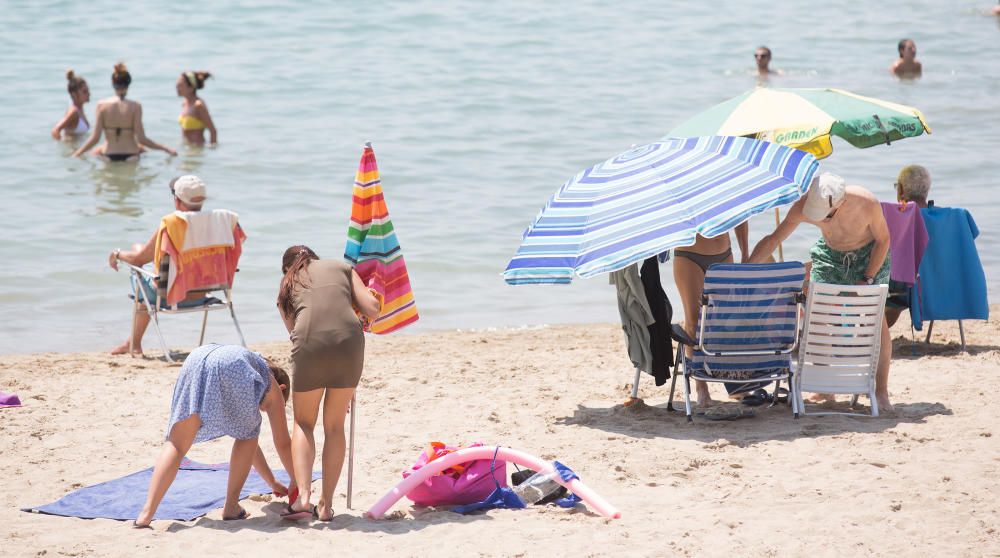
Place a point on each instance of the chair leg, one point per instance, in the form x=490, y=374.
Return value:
x=131, y=337
x=874, y=401
x=930, y=328
x=792, y=400
x=800, y=406
x=635, y=383
x=961, y=333
x=163, y=343
x=236, y=323
x=204, y=322
x=673, y=381
x=350, y=454
x=687, y=395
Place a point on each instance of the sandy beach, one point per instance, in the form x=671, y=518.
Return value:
x=921, y=480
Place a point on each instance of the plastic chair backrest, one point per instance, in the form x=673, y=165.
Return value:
x=841, y=338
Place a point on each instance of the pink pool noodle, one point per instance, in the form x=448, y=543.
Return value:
x=594, y=500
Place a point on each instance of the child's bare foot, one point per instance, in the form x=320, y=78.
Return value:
x=822, y=398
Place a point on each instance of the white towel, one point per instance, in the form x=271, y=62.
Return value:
x=208, y=228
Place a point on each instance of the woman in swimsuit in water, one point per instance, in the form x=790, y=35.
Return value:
x=194, y=118
x=74, y=122
x=122, y=120
x=690, y=265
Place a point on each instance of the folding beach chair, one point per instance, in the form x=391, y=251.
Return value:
x=840, y=343
x=747, y=331
x=149, y=290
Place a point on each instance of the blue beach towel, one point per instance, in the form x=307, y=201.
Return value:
x=197, y=490
x=951, y=283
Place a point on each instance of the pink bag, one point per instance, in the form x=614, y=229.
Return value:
x=462, y=484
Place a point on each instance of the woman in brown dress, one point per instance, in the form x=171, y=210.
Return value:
x=316, y=300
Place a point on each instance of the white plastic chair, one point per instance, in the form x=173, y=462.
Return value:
x=840, y=343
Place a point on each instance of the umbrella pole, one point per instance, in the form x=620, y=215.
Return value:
x=777, y=223
x=635, y=384
x=350, y=453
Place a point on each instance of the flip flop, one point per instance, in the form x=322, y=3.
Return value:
x=291, y=515
x=315, y=514
x=240, y=516
x=757, y=398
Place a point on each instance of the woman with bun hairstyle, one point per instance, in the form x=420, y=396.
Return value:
x=317, y=300
x=194, y=118
x=74, y=122
x=121, y=120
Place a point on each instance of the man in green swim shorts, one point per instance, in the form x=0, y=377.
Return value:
x=854, y=248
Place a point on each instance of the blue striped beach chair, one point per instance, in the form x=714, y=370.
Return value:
x=747, y=330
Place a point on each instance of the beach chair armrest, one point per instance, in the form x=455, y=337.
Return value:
x=681, y=336
x=139, y=270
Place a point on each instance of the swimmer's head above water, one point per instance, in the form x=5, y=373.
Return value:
x=907, y=48
x=189, y=82
x=763, y=57
x=121, y=79
x=77, y=88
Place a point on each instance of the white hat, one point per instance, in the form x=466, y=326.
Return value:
x=825, y=193
x=189, y=189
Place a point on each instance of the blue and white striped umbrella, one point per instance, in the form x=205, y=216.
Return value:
x=653, y=198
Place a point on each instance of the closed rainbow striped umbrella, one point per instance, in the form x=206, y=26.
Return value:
x=373, y=249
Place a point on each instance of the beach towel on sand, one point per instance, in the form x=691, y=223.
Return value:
x=197, y=490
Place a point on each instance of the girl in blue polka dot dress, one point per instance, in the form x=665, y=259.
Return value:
x=222, y=391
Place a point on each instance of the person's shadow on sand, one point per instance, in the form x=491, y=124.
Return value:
x=775, y=423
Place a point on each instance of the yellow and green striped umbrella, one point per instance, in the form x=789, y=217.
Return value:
x=806, y=119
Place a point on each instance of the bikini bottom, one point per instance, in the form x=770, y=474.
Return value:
x=704, y=260
x=119, y=157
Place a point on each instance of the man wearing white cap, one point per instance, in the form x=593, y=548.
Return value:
x=189, y=194
x=854, y=248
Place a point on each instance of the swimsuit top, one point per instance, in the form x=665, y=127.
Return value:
x=189, y=123
x=82, y=126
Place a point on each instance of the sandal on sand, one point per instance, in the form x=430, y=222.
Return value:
x=757, y=398
x=242, y=515
x=315, y=514
x=722, y=413
x=291, y=515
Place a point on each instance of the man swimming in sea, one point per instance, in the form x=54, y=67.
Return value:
x=854, y=249
x=907, y=67
x=762, y=56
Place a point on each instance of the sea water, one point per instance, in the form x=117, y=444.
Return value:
x=477, y=112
